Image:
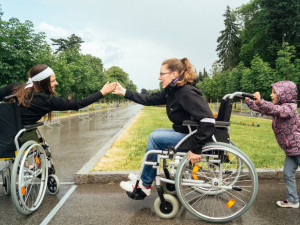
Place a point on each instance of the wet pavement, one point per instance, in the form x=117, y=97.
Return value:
x=108, y=204
x=75, y=143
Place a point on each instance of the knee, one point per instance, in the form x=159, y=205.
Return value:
x=288, y=174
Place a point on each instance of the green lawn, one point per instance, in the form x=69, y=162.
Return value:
x=252, y=135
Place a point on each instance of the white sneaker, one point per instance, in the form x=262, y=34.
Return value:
x=287, y=204
x=129, y=186
x=132, y=177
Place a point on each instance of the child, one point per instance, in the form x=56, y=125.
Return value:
x=286, y=126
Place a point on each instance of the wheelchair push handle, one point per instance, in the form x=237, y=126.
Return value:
x=244, y=94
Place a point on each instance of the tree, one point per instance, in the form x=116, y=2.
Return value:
x=285, y=68
x=267, y=25
x=201, y=75
x=20, y=49
x=229, y=42
x=258, y=78
x=71, y=42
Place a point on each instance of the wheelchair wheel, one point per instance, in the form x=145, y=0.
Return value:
x=53, y=184
x=6, y=184
x=29, y=176
x=168, y=188
x=214, y=189
x=169, y=210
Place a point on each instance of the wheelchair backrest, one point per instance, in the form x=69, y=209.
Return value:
x=10, y=125
x=225, y=110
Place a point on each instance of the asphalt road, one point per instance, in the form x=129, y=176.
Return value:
x=75, y=142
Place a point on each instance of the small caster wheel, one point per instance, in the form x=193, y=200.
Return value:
x=53, y=184
x=6, y=185
x=168, y=188
x=169, y=210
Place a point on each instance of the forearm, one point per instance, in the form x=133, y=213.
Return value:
x=60, y=104
x=270, y=109
x=251, y=104
x=145, y=99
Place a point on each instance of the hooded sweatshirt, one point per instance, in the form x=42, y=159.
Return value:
x=285, y=122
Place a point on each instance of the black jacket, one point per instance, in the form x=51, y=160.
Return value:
x=42, y=104
x=182, y=103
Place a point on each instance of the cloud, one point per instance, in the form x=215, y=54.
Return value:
x=140, y=58
x=54, y=31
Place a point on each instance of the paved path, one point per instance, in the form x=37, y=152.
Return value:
x=74, y=143
x=107, y=204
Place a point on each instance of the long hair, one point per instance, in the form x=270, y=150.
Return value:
x=25, y=96
x=184, y=68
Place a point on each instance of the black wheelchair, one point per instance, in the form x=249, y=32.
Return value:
x=220, y=188
x=27, y=168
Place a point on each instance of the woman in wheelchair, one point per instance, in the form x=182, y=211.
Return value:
x=38, y=98
x=22, y=146
x=184, y=101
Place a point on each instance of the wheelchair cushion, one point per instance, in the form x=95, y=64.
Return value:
x=10, y=124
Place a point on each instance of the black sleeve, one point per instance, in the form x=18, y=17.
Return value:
x=6, y=90
x=60, y=104
x=196, y=106
x=157, y=98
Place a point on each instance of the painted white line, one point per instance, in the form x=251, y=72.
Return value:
x=57, y=207
x=67, y=182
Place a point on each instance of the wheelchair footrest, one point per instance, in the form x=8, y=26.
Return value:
x=137, y=194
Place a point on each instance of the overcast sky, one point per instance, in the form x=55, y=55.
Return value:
x=136, y=35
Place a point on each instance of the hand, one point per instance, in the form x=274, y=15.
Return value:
x=257, y=97
x=194, y=157
x=108, y=87
x=119, y=90
x=246, y=99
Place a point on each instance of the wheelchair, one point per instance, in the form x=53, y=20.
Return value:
x=219, y=188
x=27, y=169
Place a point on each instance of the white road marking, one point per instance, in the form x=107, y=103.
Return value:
x=58, y=206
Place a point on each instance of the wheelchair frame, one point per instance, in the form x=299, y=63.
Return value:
x=32, y=171
x=220, y=188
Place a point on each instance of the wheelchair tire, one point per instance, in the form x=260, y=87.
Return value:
x=29, y=176
x=215, y=195
x=171, y=208
x=53, y=185
x=168, y=188
x=6, y=184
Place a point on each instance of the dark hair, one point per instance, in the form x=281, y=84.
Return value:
x=44, y=86
x=184, y=69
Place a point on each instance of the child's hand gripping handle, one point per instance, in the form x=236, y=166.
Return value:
x=244, y=94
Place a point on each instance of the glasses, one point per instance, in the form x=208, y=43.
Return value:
x=161, y=74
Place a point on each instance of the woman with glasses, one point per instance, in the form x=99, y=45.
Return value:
x=184, y=101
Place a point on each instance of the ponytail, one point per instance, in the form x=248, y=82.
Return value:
x=184, y=68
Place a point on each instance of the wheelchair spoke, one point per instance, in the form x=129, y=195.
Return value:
x=216, y=191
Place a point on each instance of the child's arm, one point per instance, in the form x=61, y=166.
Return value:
x=251, y=104
x=269, y=108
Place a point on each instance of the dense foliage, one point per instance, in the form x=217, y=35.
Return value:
x=78, y=75
x=260, y=45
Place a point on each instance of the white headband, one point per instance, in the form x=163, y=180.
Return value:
x=40, y=76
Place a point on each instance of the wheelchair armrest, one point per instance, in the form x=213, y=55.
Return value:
x=195, y=123
x=33, y=126
x=222, y=124
x=190, y=123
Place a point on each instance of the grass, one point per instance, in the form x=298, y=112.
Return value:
x=128, y=150
x=252, y=135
